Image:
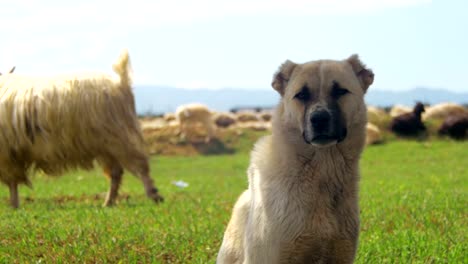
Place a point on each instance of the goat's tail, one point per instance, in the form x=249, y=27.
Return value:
x=123, y=68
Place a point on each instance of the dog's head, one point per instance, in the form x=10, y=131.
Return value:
x=322, y=100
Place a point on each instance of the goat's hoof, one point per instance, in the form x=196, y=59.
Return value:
x=157, y=198
x=108, y=203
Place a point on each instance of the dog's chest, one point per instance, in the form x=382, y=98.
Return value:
x=305, y=227
x=304, y=206
x=304, y=203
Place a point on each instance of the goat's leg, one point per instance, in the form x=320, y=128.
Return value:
x=14, y=199
x=139, y=166
x=151, y=190
x=114, y=172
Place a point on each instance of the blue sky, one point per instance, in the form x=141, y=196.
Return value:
x=219, y=43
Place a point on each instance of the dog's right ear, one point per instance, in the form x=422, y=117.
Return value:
x=281, y=77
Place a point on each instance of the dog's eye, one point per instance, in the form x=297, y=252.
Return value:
x=303, y=95
x=338, y=91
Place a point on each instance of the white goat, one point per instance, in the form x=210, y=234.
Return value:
x=67, y=122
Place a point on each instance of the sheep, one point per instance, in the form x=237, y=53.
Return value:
x=168, y=117
x=246, y=116
x=376, y=115
x=373, y=134
x=410, y=123
x=224, y=119
x=11, y=70
x=57, y=124
x=266, y=115
x=153, y=123
x=190, y=115
x=398, y=110
x=444, y=110
x=456, y=126
x=256, y=126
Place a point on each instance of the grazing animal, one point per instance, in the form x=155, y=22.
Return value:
x=266, y=115
x=409, y=124
x=376, y=115
x=68, y=122
x=373, y=134
x=444, y=110
x=247, y=116
x=224, y=119
x=190, y=115
x=168, y=117
x=301, y=205
x=455, y=126
x=398, y=110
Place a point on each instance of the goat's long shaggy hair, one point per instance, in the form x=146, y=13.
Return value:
x=55, y=124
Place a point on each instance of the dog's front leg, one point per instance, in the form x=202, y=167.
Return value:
x=261, y=253
x=262, y=243
x=343, y=251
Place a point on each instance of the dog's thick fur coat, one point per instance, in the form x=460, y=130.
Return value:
x=66, y=122
x=302, y=202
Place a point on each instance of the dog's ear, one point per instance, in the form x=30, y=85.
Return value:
x=365, y=76
x=281, y=77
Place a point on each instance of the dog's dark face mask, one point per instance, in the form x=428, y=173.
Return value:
x=323, y=121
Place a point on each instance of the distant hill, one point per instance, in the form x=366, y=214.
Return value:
x=425, y=95
x=158, y=99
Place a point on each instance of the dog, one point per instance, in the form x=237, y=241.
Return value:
x=301, y=205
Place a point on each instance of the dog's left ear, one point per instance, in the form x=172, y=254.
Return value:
x=281, y=77
x=365, y=76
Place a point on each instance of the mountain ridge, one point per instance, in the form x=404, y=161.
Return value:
x=153, y=99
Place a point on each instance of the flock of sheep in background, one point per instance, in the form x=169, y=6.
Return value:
x=69, y=122
x=189, y=118
x=453, y=119
x=401, y=120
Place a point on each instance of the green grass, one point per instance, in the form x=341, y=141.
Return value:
x=413, y=210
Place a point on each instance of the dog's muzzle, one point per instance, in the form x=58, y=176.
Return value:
x=324, y=130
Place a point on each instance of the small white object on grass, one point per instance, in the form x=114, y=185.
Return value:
x=180, y=184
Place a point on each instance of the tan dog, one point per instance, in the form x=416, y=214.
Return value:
x=302, y=202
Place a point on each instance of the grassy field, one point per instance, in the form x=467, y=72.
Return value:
x=413, y=203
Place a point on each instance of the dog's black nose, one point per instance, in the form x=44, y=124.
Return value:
x=320, y=120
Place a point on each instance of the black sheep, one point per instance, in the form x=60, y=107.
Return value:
x=409, y=124
x=456, y=126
